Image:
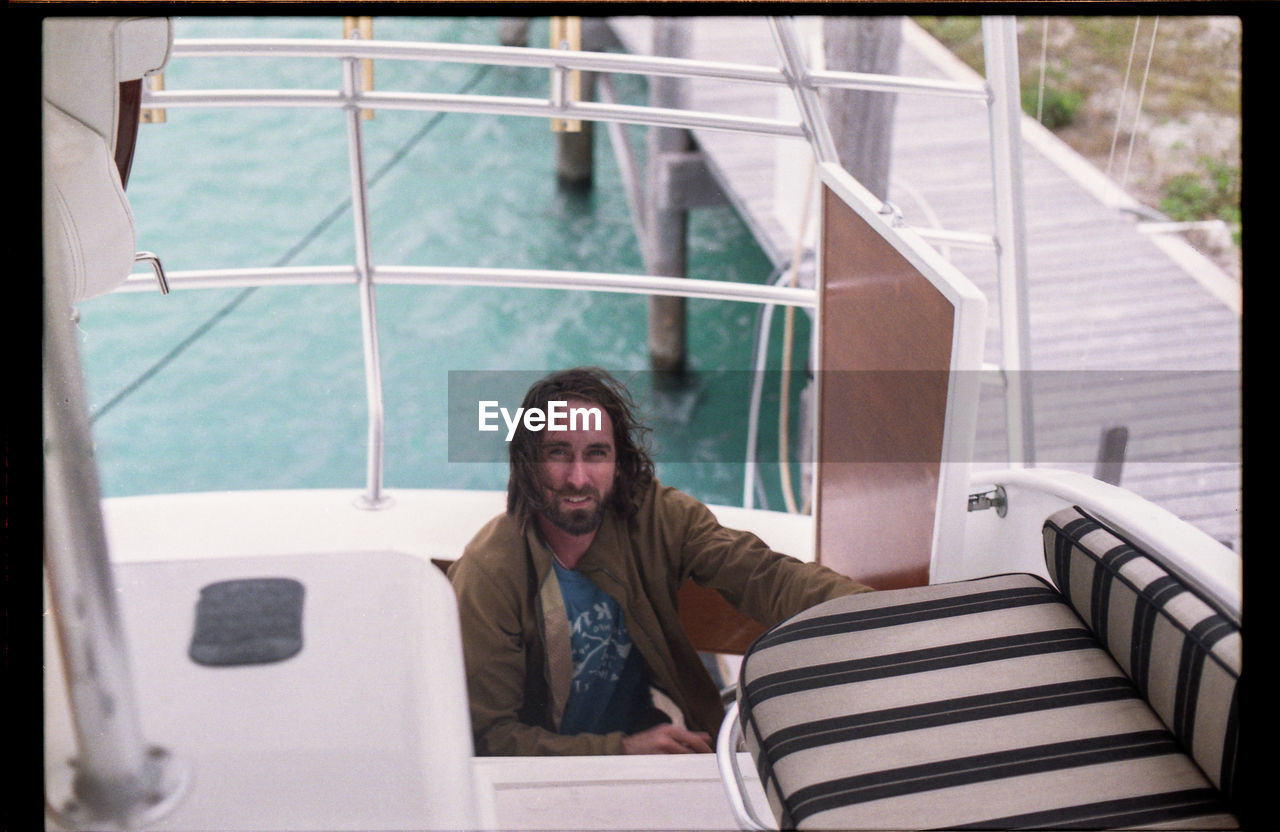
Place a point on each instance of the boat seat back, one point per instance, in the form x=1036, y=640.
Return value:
x=89, y=240
x=1180, y=650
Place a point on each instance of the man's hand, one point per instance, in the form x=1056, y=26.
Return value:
x=667, y=739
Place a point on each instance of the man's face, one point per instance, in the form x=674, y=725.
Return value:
x=577, y=468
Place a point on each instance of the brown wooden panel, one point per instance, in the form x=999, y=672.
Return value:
x=886, y=353
x=712, y=624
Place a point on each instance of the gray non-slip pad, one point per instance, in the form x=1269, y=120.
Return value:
x=248, y=621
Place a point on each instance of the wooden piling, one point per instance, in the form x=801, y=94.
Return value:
x=666, y=223
x=574, y=161
x=861, y=121
x=513, y=31
x=575, y=166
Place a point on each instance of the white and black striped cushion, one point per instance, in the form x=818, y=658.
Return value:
x=979, y=704
x=1182, y=653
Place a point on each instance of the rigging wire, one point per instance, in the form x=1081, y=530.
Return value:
x=1142, y=91
x=297, y=249
x=1124, y=91
x=752, y=487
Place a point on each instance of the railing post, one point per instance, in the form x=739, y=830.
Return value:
x=373, y=498
x=116, y=779
x=797, y=72
x=1000, y=43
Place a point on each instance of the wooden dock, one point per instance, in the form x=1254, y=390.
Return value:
x=1126, y=329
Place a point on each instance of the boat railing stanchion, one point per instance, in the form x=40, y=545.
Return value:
x=117, y=778
x=1000, y=48
x=373, y=498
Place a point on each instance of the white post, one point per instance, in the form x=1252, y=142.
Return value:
x=117, y=779
x=373, y=498
x=1000, y=41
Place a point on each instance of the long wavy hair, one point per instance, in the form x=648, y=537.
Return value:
x=634, y=468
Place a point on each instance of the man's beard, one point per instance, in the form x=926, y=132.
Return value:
x=576, y=521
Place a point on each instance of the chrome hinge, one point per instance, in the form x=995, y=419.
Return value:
x=996, y=498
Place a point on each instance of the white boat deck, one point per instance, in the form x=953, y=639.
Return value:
x=1114, y=310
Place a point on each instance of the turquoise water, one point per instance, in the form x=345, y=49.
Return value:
x=227, y=389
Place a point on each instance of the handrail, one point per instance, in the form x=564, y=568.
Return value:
x=518, y=56
x=482, y=105
x=551, y=58
x=730, y=776
x=805, y=82
x=897, y=83
x=793, y=73
x=687, y=287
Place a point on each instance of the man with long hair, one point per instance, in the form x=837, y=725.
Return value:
x=568, y=600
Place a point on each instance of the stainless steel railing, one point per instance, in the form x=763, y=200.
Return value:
x=793, y=73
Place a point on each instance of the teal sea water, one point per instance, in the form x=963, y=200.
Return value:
x=233, y=389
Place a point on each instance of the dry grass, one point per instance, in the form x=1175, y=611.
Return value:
x=1190, y=116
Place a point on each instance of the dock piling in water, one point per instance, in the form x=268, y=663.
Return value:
x=574, y=164
x=666, y=226
x=513, y=31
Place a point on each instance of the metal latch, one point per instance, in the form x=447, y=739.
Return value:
x=893, y=214
x=996, y=498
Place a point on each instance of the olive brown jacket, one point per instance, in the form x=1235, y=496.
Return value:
x=515, y=635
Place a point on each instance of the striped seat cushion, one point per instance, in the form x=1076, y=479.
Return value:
x=1181, y=652
x=983, y=704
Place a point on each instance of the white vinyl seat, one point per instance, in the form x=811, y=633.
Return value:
x=89, y=239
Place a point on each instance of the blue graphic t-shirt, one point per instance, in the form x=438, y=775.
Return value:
x=609, y=686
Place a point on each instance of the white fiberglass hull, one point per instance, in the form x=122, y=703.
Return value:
x=367, y=726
